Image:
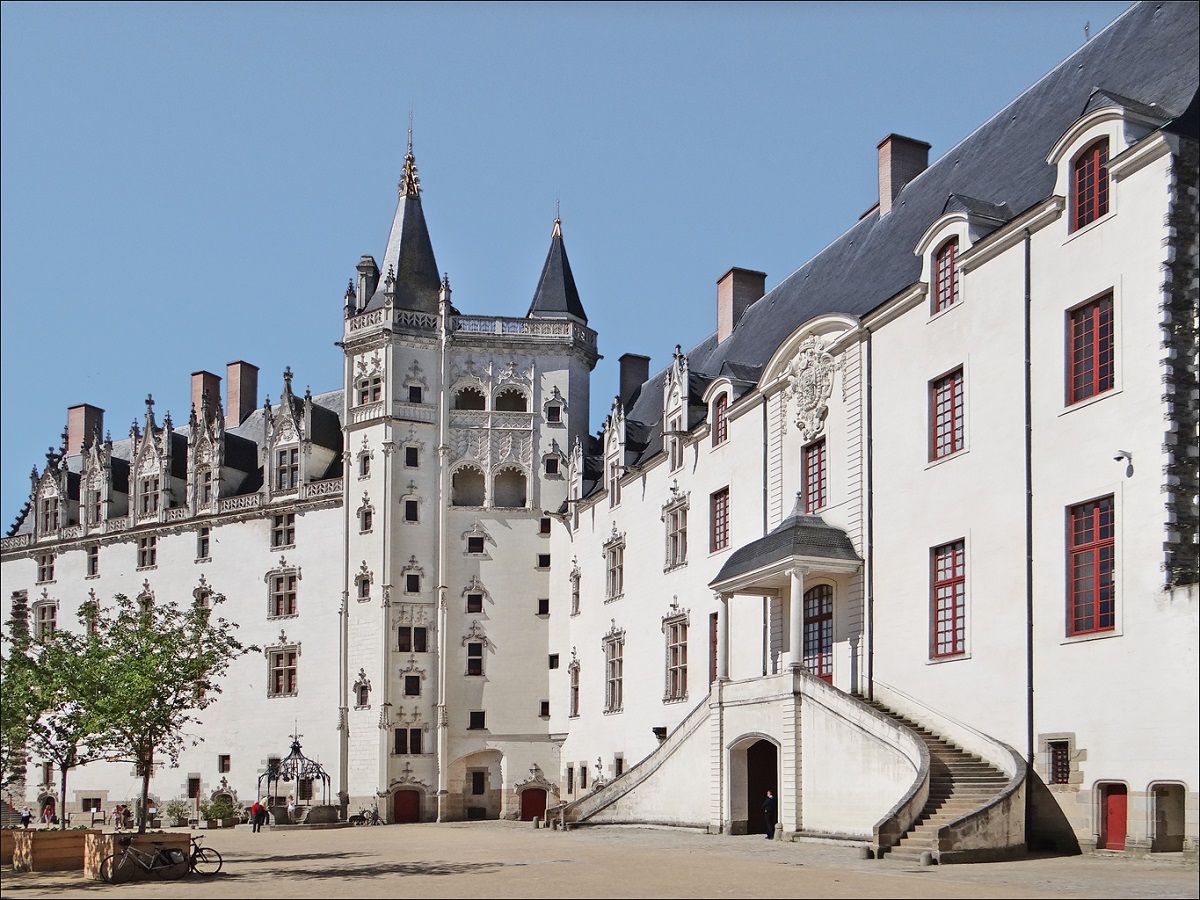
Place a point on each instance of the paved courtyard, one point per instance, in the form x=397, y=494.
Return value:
x=508, y=859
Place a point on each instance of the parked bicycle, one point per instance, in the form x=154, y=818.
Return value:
x=204, y=860
x=164, y=862
x=368, y=815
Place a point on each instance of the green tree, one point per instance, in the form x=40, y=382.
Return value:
x=19, y=706
x=154, y=668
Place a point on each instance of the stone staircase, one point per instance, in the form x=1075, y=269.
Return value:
x=959, y=783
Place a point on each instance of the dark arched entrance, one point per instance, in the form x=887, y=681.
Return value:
x=406, y=806
x=533, y=804
x=762, y=775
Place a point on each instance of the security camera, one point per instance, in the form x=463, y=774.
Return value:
x=1123, y=454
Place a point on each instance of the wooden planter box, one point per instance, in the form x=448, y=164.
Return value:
x=100, y=846
x=8, y=839
x=49, y=851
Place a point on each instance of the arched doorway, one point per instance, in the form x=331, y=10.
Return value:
x=1168, y=818
x=1114, y=812
x=762, y=775
x=533, y=804
x=46, y=809
x=406, y=806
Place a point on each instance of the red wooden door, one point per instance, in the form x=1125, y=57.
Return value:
x=533, y=804
x=1115, y=812
x=406, y=806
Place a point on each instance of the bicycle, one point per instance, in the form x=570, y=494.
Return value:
x=204, y=860
x=164, y=862
x=368, y=815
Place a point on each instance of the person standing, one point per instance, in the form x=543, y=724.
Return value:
x=255, y=820
x=291, y=809
x=769, y=814
x=26, y=817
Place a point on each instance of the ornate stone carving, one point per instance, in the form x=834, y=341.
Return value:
x=810, y=381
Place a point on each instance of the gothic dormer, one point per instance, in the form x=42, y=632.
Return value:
x=96, y=499
x=206, y=454
x=151, y=459
x=614, y=451
x=302, y=442
x=51, y=497
x=675, y=408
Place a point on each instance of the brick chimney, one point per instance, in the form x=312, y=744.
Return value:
x=901, y=159
x=736, y=290
x=83, y=421
x=205, y=382
x=241, y=392
x=635, y=371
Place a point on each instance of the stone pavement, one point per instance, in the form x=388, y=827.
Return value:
x=510, y=859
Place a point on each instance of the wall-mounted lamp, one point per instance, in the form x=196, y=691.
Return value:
x=1123, y=454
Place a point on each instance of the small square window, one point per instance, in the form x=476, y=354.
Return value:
x=544, y=525
x=554, y=660
x=224, y=764
x=543, y=561
x=478, y=721
x=412, y=685
x=475, y=544
x=474, y=603
x=411, y=509
x=551, y=465
x=543, y=606
x=553, y=413
x=415, y=394
x=412, y=584
x=545, y=709
x=412, y=457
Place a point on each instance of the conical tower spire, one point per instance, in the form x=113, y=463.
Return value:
x=556, y=295
x=409, y=254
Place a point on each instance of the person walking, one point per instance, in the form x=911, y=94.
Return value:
x=769, y=814
x=26, y=817
x=255, y=819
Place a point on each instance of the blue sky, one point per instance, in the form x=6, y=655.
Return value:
x=188, y=184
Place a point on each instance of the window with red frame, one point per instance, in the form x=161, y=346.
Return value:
x=815, y=496
x=719, y=524
x=1089, y=185
x=1091, y=564
x=946, y=415
x=720, y=426
x=818, y=631
x=946, y=276
x=949, y=599
x=1090, y=350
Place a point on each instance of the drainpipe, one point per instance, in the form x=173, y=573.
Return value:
x=1029, y=725
x=765, y=470
x=870, y=560
x=440, y=511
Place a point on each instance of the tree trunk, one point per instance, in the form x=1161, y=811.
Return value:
x=62, y=798
x=149, y=767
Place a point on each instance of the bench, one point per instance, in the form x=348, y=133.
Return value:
x=99, y=817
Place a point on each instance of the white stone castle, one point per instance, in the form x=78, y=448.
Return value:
x=910, y=540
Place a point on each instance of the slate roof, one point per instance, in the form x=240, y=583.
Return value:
x=1148, y=54
x=556, y=294
x=799, y=534
x=409, y=252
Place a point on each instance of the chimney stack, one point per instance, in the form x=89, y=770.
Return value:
x=83, y=421
x=635, y=371
x=736, y=290
x=368, y=280
x=205, y=383
x=901, y=159
x=241, y=392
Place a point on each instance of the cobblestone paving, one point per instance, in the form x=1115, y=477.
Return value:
x=508, y=859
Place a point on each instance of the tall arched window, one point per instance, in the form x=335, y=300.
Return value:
x=946, y=274
x=1089, y=184
x=466, y=487
x=469, y=398
x=720, y=422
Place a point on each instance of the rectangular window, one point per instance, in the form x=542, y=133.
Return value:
x=93, y=560
x=283, y=530
x=412, y=509
x=477, y=722
x=206, y=487
x=149, y=496
x=1091, y=565
x=408, y=741
x=544, y=525
x=676, y=688
x=553, y=660
x=412, y=457
x=615, y=559
x=283, y=673
x=551, y=465
x=412, y=584
x=1060, y=762
x=570, y=779
x=45, y=617
x=364, y=465
x=676, y=537
x=947, y=276
x=370, y=390
x=474, y=603
x=147, y=552
x=193, y=788
x=1089, y=185
x=45, y=567
x=49, y=514
x=415, y=393
x=545, y=713
x=95, y=507
x=1090, y=350
x=583, y=777
x=366, y=520
x=287, y=468
x=283, y=594
x=720, y=424
x=575, y=576
x=412, y=685
x=946, y=415
x=553, y=414
x=543, y=561
x=675, y=443
x=719, y=525
x=475, y=544
x=91, y=804
x=618, y=766
x=413, y=639
x=614, y=674
x=478, y=781
x=224, y=764
x=815, y=477
x=949, y=599
x=614, y=484
x=474, y=658
x=574, y=692
x=203, y=540
x=543, y=606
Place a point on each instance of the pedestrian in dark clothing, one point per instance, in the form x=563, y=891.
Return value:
x=769, y=814
x=26, y=817
x=255, y=816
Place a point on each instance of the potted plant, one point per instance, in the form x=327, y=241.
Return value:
x=178, y=811
x=226, y=810
x=206, y=813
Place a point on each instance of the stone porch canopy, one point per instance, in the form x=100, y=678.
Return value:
x=775, y=566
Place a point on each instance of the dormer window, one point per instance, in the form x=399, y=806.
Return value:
x=614, y=484
x=149, y=495
x=720, y=420
x=205, y=477
x=49, y=514
x=1089, y=184
x=946, y=274
x=287, y=469
x=370, y=390
x=675, y=443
